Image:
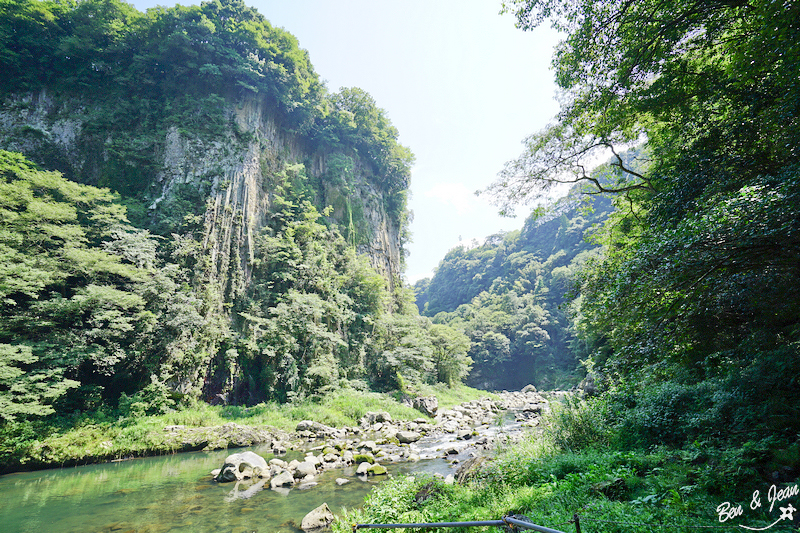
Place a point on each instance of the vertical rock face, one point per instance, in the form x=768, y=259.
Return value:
x=235, y=173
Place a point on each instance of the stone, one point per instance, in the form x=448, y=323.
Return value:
x=528, y=388
x=369, y=446
x=450, y=426
x=363, y=458
x=407, y=437
x=284, y=479
x=240, y=466
x=305, y=469
x=427, y=405
x=341, y=481
x=376, y=470
x=371, y=418
x=363, y=468
x=318, y=519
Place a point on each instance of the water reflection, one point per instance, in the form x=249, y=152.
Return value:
x=173, y=493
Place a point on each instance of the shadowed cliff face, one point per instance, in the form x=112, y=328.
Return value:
x=230, y=179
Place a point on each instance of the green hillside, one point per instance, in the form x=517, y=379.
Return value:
x=515, y=296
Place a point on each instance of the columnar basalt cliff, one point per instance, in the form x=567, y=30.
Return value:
x=223, y=227
x=233, y=174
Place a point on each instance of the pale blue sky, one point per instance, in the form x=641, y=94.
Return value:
x=459, y=81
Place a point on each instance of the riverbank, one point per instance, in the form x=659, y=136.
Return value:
x=577, y=466
x=460, y=435
x=101, y=437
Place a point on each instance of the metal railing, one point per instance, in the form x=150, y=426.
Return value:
x=512, y=522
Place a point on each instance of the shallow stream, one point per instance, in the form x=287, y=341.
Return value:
x=172, y=493
x=176, y=493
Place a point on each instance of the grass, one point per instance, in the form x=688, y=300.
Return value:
x=549, y=486
x=102, y=437
x=449, y=397
x=579, y=466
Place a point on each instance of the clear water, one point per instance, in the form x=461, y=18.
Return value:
x=173, y=493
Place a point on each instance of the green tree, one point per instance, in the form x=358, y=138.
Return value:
x=697, y=278
x=450, y=358
x=28, y=388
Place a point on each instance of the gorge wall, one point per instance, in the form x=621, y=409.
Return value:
x=230, y=178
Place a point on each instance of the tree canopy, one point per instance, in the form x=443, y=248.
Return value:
x=697, y=280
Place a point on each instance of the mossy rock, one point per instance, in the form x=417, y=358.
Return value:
x=363, y=458
x=377, y=470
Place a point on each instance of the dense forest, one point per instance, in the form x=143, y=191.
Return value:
x=690, y=313
x=186, y=213
x=514, y=295
x=687, y=312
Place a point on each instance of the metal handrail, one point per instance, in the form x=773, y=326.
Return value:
x=505, y=521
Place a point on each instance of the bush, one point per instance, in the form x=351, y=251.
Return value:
x=578, y=424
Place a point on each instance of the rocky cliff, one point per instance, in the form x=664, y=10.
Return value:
x=229, y=179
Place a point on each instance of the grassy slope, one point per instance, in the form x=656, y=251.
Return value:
x=101, y=438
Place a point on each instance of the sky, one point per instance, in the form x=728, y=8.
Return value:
x=462, y=85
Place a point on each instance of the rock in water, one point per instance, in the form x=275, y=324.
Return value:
x=318, y=519
x=284, y=479
x=376, y=470
x=305, y=469
x=407, y=437
x=240, y=466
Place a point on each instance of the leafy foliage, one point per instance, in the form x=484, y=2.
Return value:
x=695, y=295
x=82, y=300
x=513, y=298
x=317, y=315
x=112, y=312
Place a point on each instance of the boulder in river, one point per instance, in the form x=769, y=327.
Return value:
x=376, y=470
x=305, y=469
x=318, y=519
x=242, y=465
x=407, y=437
x=284, y=479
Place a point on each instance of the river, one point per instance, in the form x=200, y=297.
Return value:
x=173, y=493
x=176, y=493
x=170, y=494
